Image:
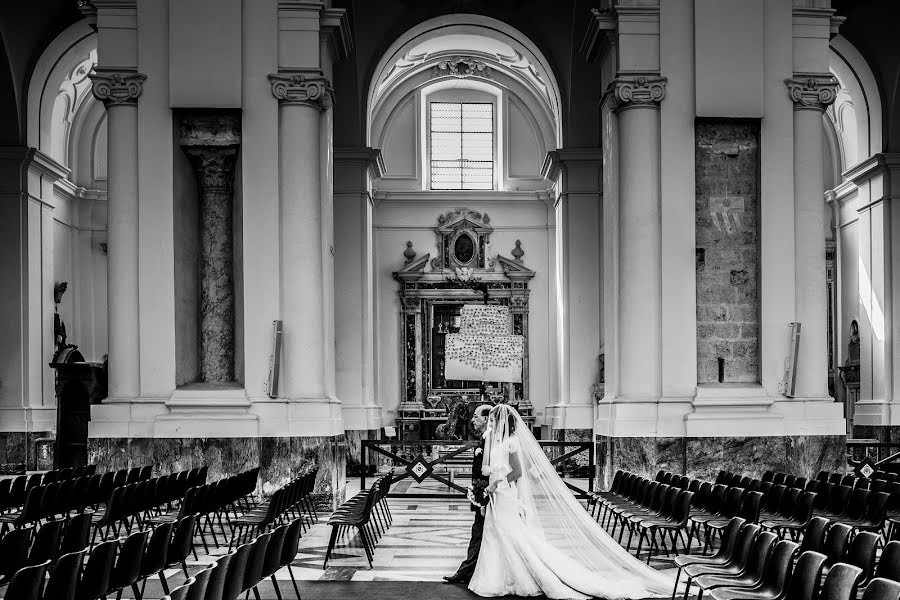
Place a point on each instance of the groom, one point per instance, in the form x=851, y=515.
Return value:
x=467, y=568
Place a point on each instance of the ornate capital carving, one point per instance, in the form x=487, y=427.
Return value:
x=637, y=91
x=117, y=88
x=211, y=140
x=308, y=89
x=462, y=67
x=812, y=91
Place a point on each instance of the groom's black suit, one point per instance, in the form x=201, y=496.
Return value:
x=467, y=568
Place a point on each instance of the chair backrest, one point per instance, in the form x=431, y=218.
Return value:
x=862, y=554
x=760, y=553
x=292, y=542
x=750, y=505
x=835, y=546
x=841, y=582
x=215, y=588
x=889, y=564
x=14, y=550
x=27, y=583
x=182, y=540
x=95, y=578
x=157, y=550
x=272, y=561
x=779, y=478
x=835, y=478
x=837, y=502
x=773, y=499
x=46, y=543
x=804, y=584
x=857, y=504
x=779, y=568
x=234, y=580
x=814, y=534
x=64, y=576
x=804, y=509
x=77, y=534
x=768, y=476
x=128, y=564
x=181, y=592
x=788, y=502
x=255, y=563
x=731, y=503
x=882, y=589
x=744, y=544
x=197, y=589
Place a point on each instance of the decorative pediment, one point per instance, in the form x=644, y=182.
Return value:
x=514, y=270
x=414, y=269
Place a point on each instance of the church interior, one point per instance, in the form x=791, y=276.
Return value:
x=275, y=248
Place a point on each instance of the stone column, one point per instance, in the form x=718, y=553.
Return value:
x=636, y=101
x=811, y=94
x=302, y=98
x=211, y=141
x=119, y=91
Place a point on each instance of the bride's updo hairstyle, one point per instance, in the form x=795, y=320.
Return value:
x=499, y=412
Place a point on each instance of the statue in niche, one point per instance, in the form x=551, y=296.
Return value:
x=850, y=370
x=59, y=328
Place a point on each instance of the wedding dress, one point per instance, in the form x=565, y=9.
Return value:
x=538, y=539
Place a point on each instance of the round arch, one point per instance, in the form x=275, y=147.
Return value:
x=512, y=53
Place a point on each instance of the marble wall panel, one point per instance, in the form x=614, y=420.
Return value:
x=703, y=458
x=279, y=459
x=13, y=452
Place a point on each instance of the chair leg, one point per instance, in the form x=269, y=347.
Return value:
x=675, y=586
x=165, y=584
x=184, y=566
x=294, y=581
x=334, y=533
x=137, y=593
x=275, y=585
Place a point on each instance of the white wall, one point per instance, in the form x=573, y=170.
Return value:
x=516, y=216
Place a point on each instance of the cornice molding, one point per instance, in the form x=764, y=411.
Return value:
x=563, y=158
x=335, y=27
x=302, y=88
x=812, y=91
x=636, y=91
x=364, y=156
x=599, y=35
x=117, y=87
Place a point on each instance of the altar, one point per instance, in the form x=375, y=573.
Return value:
x=433, y=291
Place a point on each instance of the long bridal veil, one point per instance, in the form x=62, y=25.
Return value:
x=551, y=510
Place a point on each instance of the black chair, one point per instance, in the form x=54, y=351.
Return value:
x=182, y=543
x=737, y=561
x=775, y=580
x=95, y=578
x=290, y=548
x=155, y=556
x=814, y=535
x=234, y=578
x=197, y=590
x=841, y=583
x=77, y=535
x=752, y=572
x=215, y=588
x=862, y=554
x=253, y=574
x=882, y=589
x=63, y=580
x=807, y=577
x=27, y=583
x=889, y=563
x=835, y=546
x=46, y=543
x=722, y=556
x=272, y=560
x=14, y=550
x=127, y=571
x=181, y=592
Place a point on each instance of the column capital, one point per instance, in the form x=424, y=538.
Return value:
x=211, y=140
x=306, y=89
x=812, y=91
x=117, y=87
x=636, y=91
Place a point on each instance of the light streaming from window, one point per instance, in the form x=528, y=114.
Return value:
x=462, y=146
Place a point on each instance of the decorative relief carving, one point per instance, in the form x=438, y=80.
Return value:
x=462, y=67
x=409, y=254
x=117, y=88
x=640, y=91
x=813, y=91
x=517, y=252
x=312, y=89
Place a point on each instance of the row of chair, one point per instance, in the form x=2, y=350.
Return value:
x=133, y=504
x=244, y=568
x=32, y=545
x=67, y=473
x=368, y=512
x=835, y=477
x=112, y=566
x=755, y=565
x=290, y=500
x=863, y=504
x=13, y=491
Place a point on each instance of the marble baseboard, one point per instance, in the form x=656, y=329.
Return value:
x=18, y=451
x=279, y=459
x=703, y=458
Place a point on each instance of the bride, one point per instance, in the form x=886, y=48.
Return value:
x=537, y=537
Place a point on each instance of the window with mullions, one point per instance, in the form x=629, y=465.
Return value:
x=462, y=146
